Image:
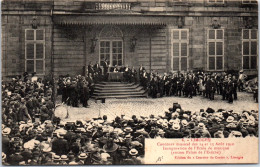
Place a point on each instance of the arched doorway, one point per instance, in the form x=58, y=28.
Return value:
x=111, y=46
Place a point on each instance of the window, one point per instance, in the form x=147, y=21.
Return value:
x=249, y=48
x=216, y=1
x=215, y=49
x=34, y=51
x=112, y=50
x=180, y=49
x=249, y=1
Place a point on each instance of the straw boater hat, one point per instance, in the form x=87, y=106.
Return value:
x=184, y=122
x=64, y=158
x=83, y=156
x=201, y=125
x=3, y=155
x=230, y=119
x=133, y=152
x=128, y=129
x=61, y=133
x=56, y=157
x=176, y=127
x=6, y=131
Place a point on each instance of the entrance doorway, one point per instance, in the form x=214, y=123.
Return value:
x=111, y=46
x=112, y=51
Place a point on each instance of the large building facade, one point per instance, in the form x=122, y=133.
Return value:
x=63, y=36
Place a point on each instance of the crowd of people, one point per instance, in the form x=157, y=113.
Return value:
x=192, y=84
x=187, y=84
x=33, y=135
x=102, y=141
x=129, y=74
x=76, y=89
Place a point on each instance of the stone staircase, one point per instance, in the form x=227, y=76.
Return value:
x=118, y=90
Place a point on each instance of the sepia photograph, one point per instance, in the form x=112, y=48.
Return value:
x=129, y=82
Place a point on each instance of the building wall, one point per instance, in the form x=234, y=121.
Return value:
x=71, y=54
x=68, y=49
x=13, y=43
x=16, y=17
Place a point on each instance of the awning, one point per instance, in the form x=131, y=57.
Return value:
x=116, y=20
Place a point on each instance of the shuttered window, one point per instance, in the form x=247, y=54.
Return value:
x=215, y=49
x=180, y=49
x=249, y=51
x=35, y=51
x=249, y=1
x=216, y=1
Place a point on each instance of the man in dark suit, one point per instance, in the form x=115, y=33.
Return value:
x=97, y=68
x=105, y=66
x=91, y=68
x=230, y=90
x=133, y=75
x=127, y=73
x=60, y=146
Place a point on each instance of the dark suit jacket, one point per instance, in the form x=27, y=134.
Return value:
x=60, y=146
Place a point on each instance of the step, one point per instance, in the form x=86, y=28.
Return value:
x=119, y=90
x=115, y=85
x=119, y=93
x=120, y=96
x=118, y=87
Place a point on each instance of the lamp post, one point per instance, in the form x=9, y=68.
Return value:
x=93, y=44
x=133, y=44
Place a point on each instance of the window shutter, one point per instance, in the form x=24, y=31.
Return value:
x=219, y=63
x=253, y=34
x=211, y=63
x=39, y=35
x=30, y=66
x=176, y=64
x=245, y=34
x=30, y=51
x=184, y=49
x=219, y=34
x=39, y=66
x=175, y=48
x=176, y=35
x=29, y=34
x=245, y=62
x=184, y=63
x=211, y=48
x=211, y=34
x=219, y=48
x=184, y=35
x=39, y=51
x=245, y=48
x=253, y=48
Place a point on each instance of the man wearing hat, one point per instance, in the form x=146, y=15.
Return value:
x=241, y=80
x=23, y=114
x=16, y=158
x=6, y=140
x=4, y=161
x=202, y=132
x=230, y=90
x=82, y=159
x=134, y=159
x=60, y=146
x=174, y=132
x=45, y=113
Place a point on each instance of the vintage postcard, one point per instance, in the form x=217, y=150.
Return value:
x=129, y=82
